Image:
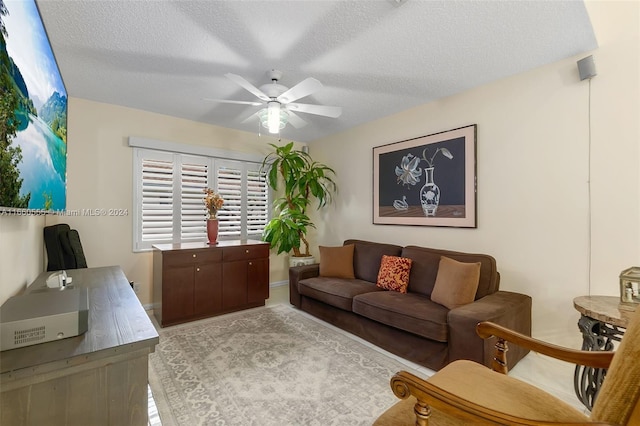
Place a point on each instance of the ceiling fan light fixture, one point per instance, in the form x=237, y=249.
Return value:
x=280, y=106
x=273, y=118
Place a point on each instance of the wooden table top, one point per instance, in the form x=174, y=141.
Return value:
x=117, y=324
x=603, y=308
x=204, y=245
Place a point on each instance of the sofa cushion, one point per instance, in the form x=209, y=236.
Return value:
x=409, y=312
x=394, y=273
x=338, y=292
x=367, y=256
x=456, y=283
x=426, y=261
x=336, y=261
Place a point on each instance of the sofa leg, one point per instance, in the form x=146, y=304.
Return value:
x=423, y=412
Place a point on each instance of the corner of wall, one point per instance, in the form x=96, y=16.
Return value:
x=21, y=252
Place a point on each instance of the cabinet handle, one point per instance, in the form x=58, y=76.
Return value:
x=250, y=263
x=195, y=255
x=246, y=251
x=197, y=269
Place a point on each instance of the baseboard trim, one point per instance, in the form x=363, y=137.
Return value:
x=278, y=283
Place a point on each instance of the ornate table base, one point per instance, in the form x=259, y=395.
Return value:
x=596, y=336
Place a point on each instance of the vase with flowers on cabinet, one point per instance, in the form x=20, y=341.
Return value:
x=213, y=202
x=212, y=231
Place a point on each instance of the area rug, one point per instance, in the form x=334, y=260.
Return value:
x=268, y=366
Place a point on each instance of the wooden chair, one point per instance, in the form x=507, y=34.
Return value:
x=465, y=392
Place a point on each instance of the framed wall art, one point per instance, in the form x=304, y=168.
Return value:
x=429, y=180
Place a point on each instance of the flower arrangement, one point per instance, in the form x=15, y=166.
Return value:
x=444, y=152
x=408, y=173
x=213, y=202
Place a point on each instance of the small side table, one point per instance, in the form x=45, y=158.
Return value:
x=601, y=323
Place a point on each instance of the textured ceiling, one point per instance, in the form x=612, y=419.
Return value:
x=375, y=58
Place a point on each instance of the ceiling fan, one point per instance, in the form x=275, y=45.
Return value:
x=279, y=100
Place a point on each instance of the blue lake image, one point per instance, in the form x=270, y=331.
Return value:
x=44, y=165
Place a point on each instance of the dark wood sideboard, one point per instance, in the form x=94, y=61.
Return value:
x=97, y=378
x=197, y=280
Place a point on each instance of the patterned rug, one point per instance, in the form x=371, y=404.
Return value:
x=268, y=366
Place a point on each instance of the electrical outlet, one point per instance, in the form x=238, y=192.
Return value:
x=136, y=287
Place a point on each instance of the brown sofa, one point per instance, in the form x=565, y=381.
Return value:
x=411, y=325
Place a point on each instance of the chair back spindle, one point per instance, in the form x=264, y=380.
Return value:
x=618, y=399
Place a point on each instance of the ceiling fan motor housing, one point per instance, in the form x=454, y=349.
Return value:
x=273, y=90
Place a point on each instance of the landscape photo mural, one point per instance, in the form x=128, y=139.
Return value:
x=33, y=105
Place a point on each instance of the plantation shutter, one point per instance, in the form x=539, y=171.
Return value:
x=157, y=199
x=257, y=202
x=168, y=198
x=193, y=213
x=229, y=179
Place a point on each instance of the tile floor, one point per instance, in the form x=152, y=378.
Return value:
x=555, y=377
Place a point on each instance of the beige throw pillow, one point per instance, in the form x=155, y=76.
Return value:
x=456, y=283
x=337, y=262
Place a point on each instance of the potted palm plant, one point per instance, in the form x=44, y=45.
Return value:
x=301, y=180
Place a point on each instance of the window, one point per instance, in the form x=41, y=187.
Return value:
x=193, y=181
x=245, y=192
x=168, y=193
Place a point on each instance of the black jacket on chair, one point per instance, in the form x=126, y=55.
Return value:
x=64, y=249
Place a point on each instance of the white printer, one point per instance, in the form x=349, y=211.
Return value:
x=51, y=312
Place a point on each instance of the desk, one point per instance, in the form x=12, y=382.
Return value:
x=97, y=378
x=601, y=323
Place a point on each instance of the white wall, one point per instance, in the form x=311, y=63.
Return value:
x=21, y=253
x=99, y=176
x=533, y=134
x=532, y=172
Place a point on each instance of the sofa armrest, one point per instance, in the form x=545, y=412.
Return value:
x=297, y=273
x=511, y=310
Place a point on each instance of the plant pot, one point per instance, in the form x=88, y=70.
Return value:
x=301, y=260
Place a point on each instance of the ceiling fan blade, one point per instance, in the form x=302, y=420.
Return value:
x=300, y=90
x=327, y=111
x=253, y=116
x=226, y=101
x=240, y=81
x=295, y=120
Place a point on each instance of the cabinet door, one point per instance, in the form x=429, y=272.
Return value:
x=177, y=293
x=234, y=287
x=208, y=289
x=257, y=280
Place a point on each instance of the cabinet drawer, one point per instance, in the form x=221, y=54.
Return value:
x=191, y=257
x=246, y=252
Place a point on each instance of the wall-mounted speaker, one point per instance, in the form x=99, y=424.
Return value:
x=587, y=68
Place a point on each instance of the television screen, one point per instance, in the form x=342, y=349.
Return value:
x=33, y=105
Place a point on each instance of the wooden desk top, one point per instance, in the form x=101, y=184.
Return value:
x=603, y=308
x=117, y=324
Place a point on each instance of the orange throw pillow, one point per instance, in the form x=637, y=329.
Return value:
x=394, y=273
x=456, y=283
x=337, y=262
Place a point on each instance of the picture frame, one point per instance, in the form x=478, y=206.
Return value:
x=427, y=181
